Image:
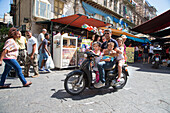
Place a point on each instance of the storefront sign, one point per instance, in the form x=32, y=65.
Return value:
x=130, y=54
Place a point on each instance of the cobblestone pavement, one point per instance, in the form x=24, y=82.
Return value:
x=147, y=91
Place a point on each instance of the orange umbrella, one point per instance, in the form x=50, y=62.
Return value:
x=119, y=32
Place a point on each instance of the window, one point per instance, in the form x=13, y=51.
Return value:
x=58, y=8
x=110, y=4
x=115, y=5
x=120, y=8
x=103, y=19
x=124, y=11
x=42, y=9
x=105, y=3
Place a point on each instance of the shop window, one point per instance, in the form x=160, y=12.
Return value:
x=42, y=8
x=105, y=3
x=58, y=8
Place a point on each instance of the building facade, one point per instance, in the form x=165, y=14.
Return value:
x=120, y=13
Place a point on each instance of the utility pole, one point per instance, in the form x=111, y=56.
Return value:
x=19, y=13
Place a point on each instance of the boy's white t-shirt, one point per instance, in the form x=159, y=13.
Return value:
x=30, y=43
x=151, y=49
x=97, y=60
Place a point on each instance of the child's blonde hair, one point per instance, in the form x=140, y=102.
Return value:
x=121, y=39
x=111, y=43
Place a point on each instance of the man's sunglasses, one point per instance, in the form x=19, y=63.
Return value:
x=106, y=33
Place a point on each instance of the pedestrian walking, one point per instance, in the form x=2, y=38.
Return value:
x=45, y=53
x=9, y=56
x=21, y=42
x=136, y=53
x=150, y=52
x=145, y=51
x=40, y=39
x=31, y=58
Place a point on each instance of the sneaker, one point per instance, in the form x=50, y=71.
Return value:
x=48, y=70
x=99, y=84
x=41, y=69
x=35, y=76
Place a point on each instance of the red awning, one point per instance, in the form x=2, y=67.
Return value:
x=159, y=22
x=78, y=20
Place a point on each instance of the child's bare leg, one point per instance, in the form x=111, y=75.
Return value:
x=120, y=63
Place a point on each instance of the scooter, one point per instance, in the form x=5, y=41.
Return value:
x=156, y=59
x=77, y=80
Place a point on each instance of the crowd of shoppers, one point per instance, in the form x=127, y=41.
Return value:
x=19, y=50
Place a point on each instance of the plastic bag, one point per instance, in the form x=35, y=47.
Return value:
x=49, y=63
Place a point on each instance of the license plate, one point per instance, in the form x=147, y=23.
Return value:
x=156, y=59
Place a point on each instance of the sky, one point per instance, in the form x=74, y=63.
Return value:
x=4, y=7
x=160, y=5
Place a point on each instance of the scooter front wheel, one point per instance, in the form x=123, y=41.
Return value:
x=74, y=84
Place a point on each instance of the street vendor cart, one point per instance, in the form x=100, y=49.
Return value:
x=64, y=51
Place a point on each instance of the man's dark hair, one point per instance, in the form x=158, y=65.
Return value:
x=46, y=34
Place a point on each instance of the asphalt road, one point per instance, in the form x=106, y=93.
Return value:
x=147, y=91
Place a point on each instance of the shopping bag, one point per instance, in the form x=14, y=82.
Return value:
x=49, y=63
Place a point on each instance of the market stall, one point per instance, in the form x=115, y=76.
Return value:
x=72, y=38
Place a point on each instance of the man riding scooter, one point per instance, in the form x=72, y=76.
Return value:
x=107, y=64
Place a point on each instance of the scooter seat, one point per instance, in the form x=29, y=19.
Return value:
x=111, y=67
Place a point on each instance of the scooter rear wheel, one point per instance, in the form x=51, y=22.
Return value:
x=71, y=84
x=123, y=82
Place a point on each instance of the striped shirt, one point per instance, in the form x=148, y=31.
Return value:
x=12, y=48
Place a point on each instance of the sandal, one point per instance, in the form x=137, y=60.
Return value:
x=118, y=80
x=27, y=84
x=5, y=86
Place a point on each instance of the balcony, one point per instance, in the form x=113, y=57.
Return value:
x=128, y=3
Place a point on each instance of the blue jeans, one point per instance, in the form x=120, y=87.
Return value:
x=45, y=56
x=40, y=58
x=9, y=63
x=101, y=67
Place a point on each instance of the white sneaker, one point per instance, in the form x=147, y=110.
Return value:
x=99, y=84
x=48, y=70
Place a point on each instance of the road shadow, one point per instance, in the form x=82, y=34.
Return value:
x=14, y=87
x=149, y=68
x=87, y=93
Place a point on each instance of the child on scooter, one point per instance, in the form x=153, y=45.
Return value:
x=97, y=47
x=120, y=58
x=107, y=53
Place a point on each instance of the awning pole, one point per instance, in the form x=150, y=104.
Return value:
x=51, y=39
x=87, y=34
x=70, y=23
